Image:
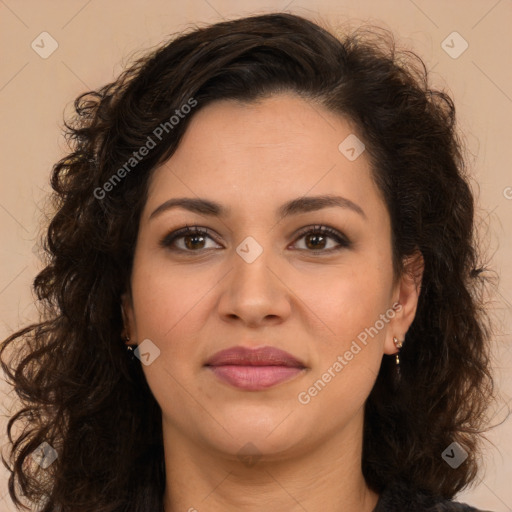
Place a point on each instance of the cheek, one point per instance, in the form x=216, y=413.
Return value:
x=168, y=304
x=345, y=299
x=349, y=343
x=334, y=302
x=165, y=296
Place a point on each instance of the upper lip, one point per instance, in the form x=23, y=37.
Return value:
x=263, y=356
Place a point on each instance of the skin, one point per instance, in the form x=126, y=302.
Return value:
x=252, y=158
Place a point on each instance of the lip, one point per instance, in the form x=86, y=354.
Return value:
x=254, y=369
x=263, y=356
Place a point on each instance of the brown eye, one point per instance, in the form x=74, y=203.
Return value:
x=188, y=239
x=194, y=239
x=317, y=238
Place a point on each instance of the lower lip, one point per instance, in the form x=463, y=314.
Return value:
x=254, y=378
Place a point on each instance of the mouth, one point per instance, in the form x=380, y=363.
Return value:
x=254, y=369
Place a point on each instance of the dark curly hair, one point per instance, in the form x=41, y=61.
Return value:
x=78, y=389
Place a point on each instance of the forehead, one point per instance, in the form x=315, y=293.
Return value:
x=280, y=147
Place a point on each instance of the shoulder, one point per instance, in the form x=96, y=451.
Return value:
x=399, y=497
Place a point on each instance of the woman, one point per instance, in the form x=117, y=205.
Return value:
x=261, y=291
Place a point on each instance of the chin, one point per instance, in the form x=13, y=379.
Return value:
x=265, y=435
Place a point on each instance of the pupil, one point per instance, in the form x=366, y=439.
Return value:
x=310, y=237
x=193, y=237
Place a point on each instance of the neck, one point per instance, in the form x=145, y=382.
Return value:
x=326, y=478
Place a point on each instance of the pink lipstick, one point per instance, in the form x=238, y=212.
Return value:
x=254, y=369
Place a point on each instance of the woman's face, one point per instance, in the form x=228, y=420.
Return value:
x=265, y=276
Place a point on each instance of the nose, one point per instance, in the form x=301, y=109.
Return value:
x=253, y=292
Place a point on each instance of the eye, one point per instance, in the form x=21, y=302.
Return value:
x=193, y=237
x=316, y=238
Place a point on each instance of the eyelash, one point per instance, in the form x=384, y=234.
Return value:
x=343, y=242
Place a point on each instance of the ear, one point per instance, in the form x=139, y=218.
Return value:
x=406, y=294
x=129, y=326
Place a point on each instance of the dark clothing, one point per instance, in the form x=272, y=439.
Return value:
x=401, y=498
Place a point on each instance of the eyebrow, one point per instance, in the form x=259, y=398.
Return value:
x=293, y=207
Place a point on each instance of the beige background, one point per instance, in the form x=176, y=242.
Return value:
x=94, y=39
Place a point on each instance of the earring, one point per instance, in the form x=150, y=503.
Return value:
x=398, y=345
x=129, y=349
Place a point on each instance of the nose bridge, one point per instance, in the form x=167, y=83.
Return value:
x=253, y=262
x=255, y=290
